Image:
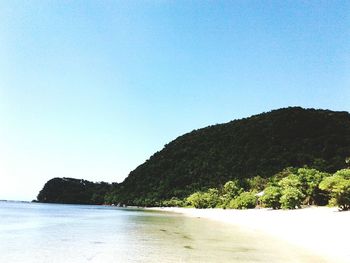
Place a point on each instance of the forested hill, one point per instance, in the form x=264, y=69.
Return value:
x=262, y=145
x=259, y=145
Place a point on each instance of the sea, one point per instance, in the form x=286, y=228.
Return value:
x=56, y=233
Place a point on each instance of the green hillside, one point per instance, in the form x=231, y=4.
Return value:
x=262, y=145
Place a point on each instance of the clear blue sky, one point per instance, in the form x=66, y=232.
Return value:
x=91, y=89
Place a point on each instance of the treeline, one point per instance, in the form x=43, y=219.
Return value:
x=289, y=189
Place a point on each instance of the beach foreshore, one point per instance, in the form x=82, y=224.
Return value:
x=321, y=230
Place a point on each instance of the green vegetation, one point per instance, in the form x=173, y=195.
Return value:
x=257, y=183
x=174, y=202
x=338, y=186
x=271, y=197
x=291, y=188
x=288, y=189
x=230, y=190
x=73, y=191
x=291, y=198
x=261, y=145
x=244, y=201
x=310, y=180
x=223, y=165
x=208, y=199
x=309, y=186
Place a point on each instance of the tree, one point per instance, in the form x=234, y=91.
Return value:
x=291, y=180
x=310, y=180
x=344, y=173
x=338, y=186
x=209, y=199
x=212, y=197
x=271, y=197
x=291, y=198
x=230, y=190
x=244, y=201
x=173, y=202
x=276, y=178
x=257, y=183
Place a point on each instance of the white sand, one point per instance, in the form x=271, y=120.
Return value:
x=321, y=230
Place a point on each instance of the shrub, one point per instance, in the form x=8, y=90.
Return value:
x=310, y=180
x=230, y=190
x=338, y=186
x=209, y=199
x=291, y=180
x=291, y=198
x=213, y=198
x=344, y=173
x=271, y=197
x=196, y=200
x=257, y=183
x=173, y=202
x=244, y=201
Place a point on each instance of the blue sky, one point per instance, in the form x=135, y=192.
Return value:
x=91, y=89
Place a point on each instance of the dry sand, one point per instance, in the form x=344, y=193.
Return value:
x=321, y=230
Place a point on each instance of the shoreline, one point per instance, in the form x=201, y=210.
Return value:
x=321, y=230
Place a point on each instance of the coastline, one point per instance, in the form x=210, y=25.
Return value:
x=321, y=230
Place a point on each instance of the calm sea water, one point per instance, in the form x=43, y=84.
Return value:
x=45, y=233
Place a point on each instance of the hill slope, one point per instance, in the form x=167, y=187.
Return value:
x=260, y=145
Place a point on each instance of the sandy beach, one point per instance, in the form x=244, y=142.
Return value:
x=321, y=230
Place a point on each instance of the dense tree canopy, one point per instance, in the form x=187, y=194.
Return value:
x=262, y=145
